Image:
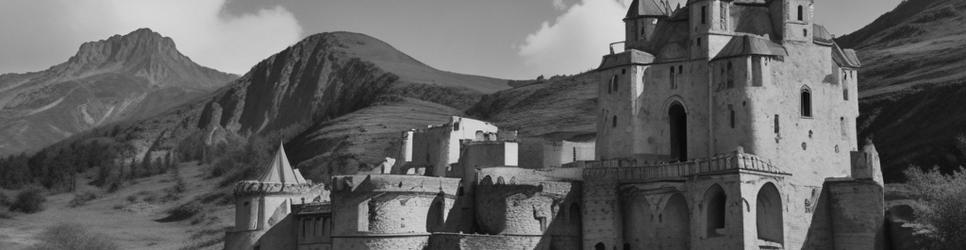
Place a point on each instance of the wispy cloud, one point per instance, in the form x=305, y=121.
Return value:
x=576, y=39
x=47, y=32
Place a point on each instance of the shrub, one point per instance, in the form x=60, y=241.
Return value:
x=183, y=212
x=71, y=237
x=4, y=199
x=81, y=199
x=944, y=200
x=30, y=200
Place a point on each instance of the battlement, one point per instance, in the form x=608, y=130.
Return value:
x=250, y=187
x=633, y=170
x=393, y=183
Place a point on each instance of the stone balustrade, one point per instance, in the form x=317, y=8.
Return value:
x=633, y=170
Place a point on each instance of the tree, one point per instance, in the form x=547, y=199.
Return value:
x=944, y=199
x=29, y=201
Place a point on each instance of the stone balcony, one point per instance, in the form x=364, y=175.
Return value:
x=634, y=170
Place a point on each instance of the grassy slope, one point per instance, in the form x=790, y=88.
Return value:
x=911, y=83
x=561, y=107
x=131, y=225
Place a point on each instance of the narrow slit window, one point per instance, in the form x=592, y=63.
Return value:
x=801, y=13
x=731, y=110
x=614, y=121
x=671, y=78
x=806, y=102
x=777, y=127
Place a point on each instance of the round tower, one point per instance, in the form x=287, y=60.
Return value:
x=266, y=202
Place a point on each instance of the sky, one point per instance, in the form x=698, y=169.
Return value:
x=511, y=39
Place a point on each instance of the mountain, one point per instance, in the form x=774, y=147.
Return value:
x=911, y=84
x=339, y=100
x=123, y=77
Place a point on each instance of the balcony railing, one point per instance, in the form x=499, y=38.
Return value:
x=633, y=170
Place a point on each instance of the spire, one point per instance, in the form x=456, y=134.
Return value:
x=279, y=171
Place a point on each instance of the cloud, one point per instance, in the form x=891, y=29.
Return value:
x=39, y=34
x=576, y=39
x=559, y=5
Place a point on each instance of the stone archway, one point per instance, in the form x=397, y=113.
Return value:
x=768, y=211
x=675, y=232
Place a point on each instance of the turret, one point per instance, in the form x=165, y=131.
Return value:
x=795, y=17
x=642, y=18
x=263, y=203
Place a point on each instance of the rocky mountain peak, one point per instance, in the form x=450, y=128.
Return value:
x=144, y=53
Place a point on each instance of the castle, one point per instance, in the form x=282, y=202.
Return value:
x=722, y=124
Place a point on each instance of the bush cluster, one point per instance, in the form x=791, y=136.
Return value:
x=943, y=210
x=30, y=200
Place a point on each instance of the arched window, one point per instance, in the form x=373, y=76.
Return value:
x=714, y=209
x=500, y=181
x=614, y=121
x=600, y=246
x=801, y=13
x=769, y=214
x=613, y=83
x=806, y=102
x=805, y=33
x=845, y=90
x=437, y=213
x=678, y=128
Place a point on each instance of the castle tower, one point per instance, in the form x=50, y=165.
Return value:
x=739, y=112
x=265, y=203
x=642, y=18
x=796, y=19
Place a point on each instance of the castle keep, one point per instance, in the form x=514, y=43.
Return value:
x=722, y=124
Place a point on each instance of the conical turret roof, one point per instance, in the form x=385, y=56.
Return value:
x=280, y=171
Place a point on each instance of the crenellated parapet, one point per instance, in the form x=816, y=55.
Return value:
x=245, y=188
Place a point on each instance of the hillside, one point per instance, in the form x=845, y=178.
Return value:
x=335, y=97
x=911, y=84
x=919, y=43
x=123, y=77
x=562, y=107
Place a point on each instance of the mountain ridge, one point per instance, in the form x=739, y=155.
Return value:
x=122, y=77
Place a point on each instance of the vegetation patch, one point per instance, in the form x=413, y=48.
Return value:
x=73, y=237
x=942, y=200
x=183, y=212
x=30, y=200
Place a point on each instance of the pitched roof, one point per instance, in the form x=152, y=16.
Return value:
x=821, y=35
x=751, y=45
x=279, y=171
x=845, y=57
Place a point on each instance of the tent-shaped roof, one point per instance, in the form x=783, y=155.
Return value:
x=279, y=171
x=653, y=8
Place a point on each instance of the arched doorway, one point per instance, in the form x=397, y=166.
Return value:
x=675, y=232
x=769, y=214
x=678, y=121
x=639, y=222
x=714, y=210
